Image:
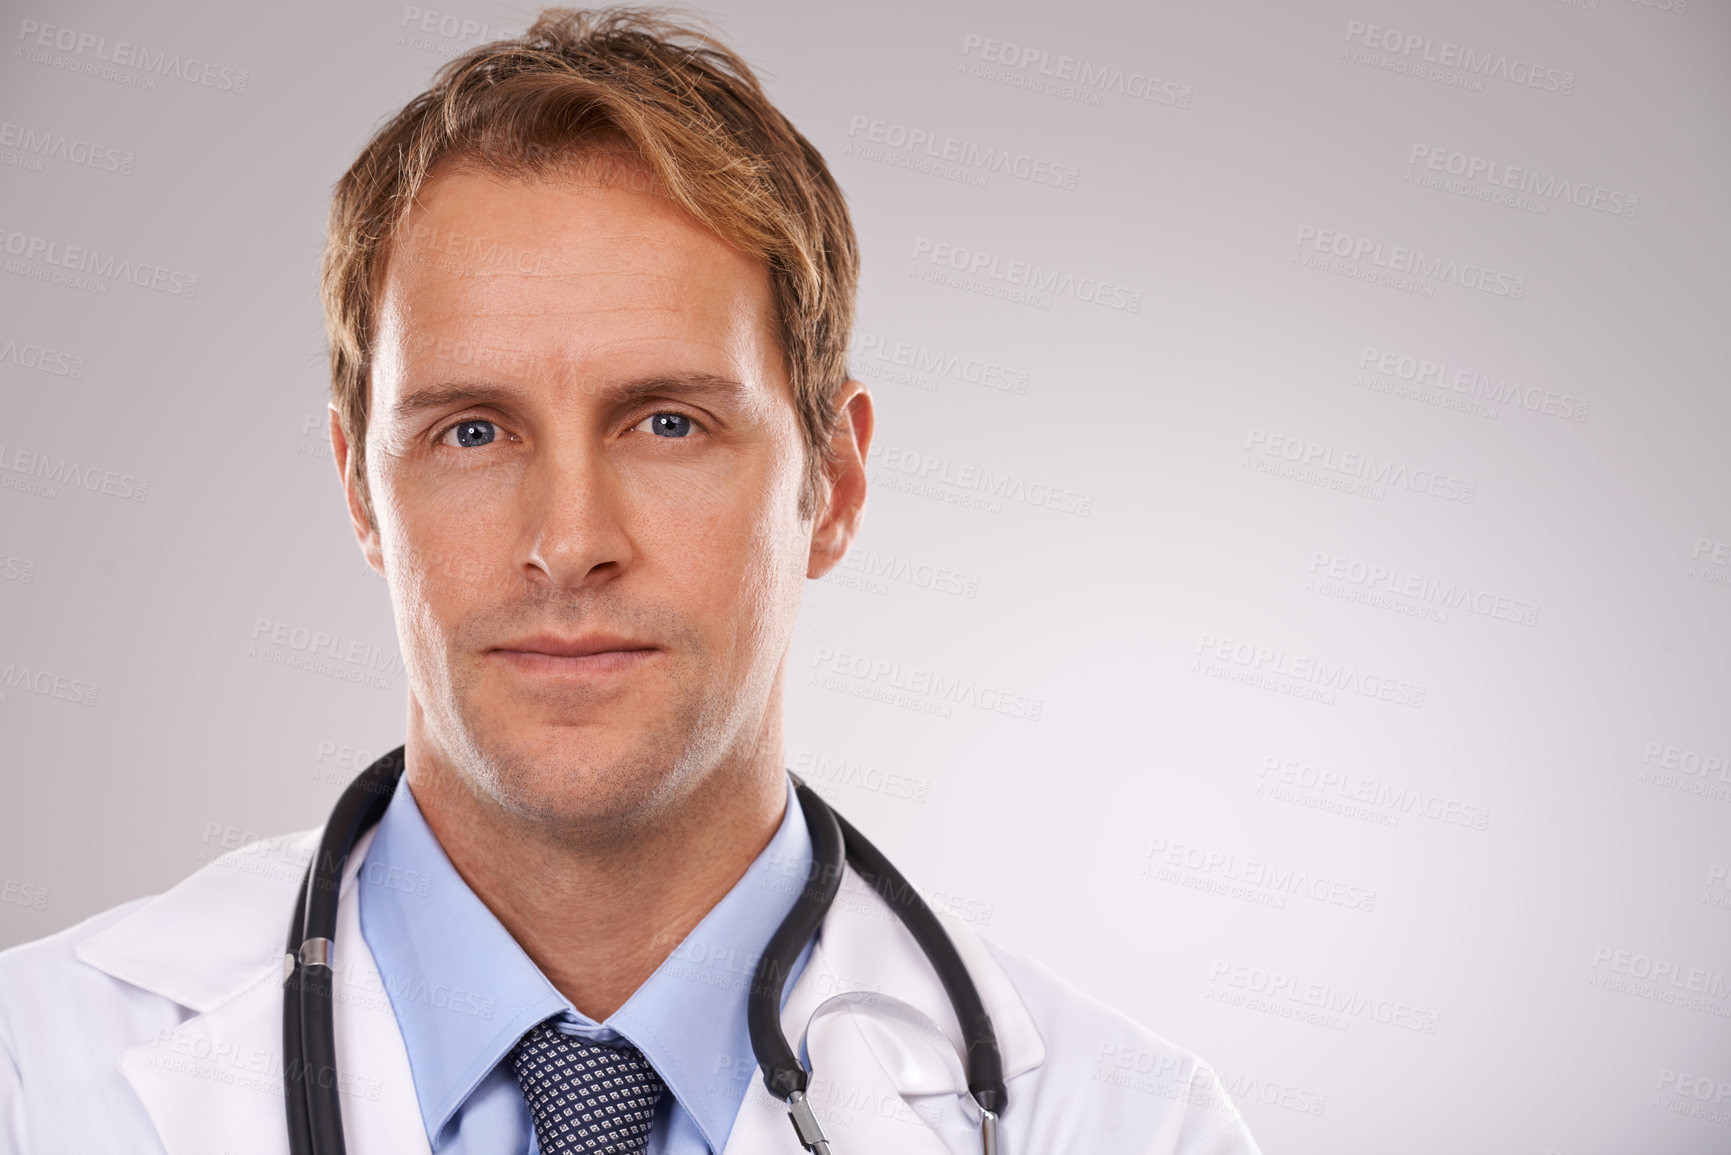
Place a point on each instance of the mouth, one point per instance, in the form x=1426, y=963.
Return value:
x=589, y=655
x=582, y=646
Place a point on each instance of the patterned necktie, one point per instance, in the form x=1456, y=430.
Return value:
x=587, y=1099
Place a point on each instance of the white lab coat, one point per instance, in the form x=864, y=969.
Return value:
x=157, y=1027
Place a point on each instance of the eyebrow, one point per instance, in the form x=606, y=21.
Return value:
x=623, y=393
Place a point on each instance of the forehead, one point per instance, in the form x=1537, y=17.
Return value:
x=588, y=271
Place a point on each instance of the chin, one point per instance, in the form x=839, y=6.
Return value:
x=575, y=776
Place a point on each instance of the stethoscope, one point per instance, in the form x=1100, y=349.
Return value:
x=315, y=1122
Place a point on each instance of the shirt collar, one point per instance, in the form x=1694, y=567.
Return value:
x=464, y=991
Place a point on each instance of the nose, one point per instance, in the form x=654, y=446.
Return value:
x=574, y=536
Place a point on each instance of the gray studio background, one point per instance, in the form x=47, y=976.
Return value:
x=1295, y=597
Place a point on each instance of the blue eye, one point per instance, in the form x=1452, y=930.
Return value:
x=473, y=433
x=670, y=424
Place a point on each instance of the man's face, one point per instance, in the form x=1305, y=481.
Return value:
x=583, y=438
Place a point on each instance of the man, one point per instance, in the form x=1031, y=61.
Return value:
x=589, y=301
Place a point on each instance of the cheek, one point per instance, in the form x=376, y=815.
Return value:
x=448, y=515
x=453, y=491
x=714, y=546
x=420, y=600
x=734, y=545
x=439, y=557
x=777, y=551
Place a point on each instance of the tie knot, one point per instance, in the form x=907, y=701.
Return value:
x=586, y=1098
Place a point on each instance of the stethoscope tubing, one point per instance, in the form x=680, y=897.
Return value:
x=783, y=1073
x=315, y=1113
x=310, y=1092
x=835, y=840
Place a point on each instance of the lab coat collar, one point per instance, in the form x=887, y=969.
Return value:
x=202, y=942
x=214, y=944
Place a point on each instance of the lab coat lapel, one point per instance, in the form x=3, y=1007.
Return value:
x=214, y=1084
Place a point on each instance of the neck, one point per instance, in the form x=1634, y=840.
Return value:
x=598, y=914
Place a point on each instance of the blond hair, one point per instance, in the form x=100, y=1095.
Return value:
x=683, y=105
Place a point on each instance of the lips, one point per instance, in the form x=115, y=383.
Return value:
x=582, y=646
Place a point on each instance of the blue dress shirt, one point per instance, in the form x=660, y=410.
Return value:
x=464, y=992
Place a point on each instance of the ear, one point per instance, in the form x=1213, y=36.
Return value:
x=365, y=532
x=839, y=520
